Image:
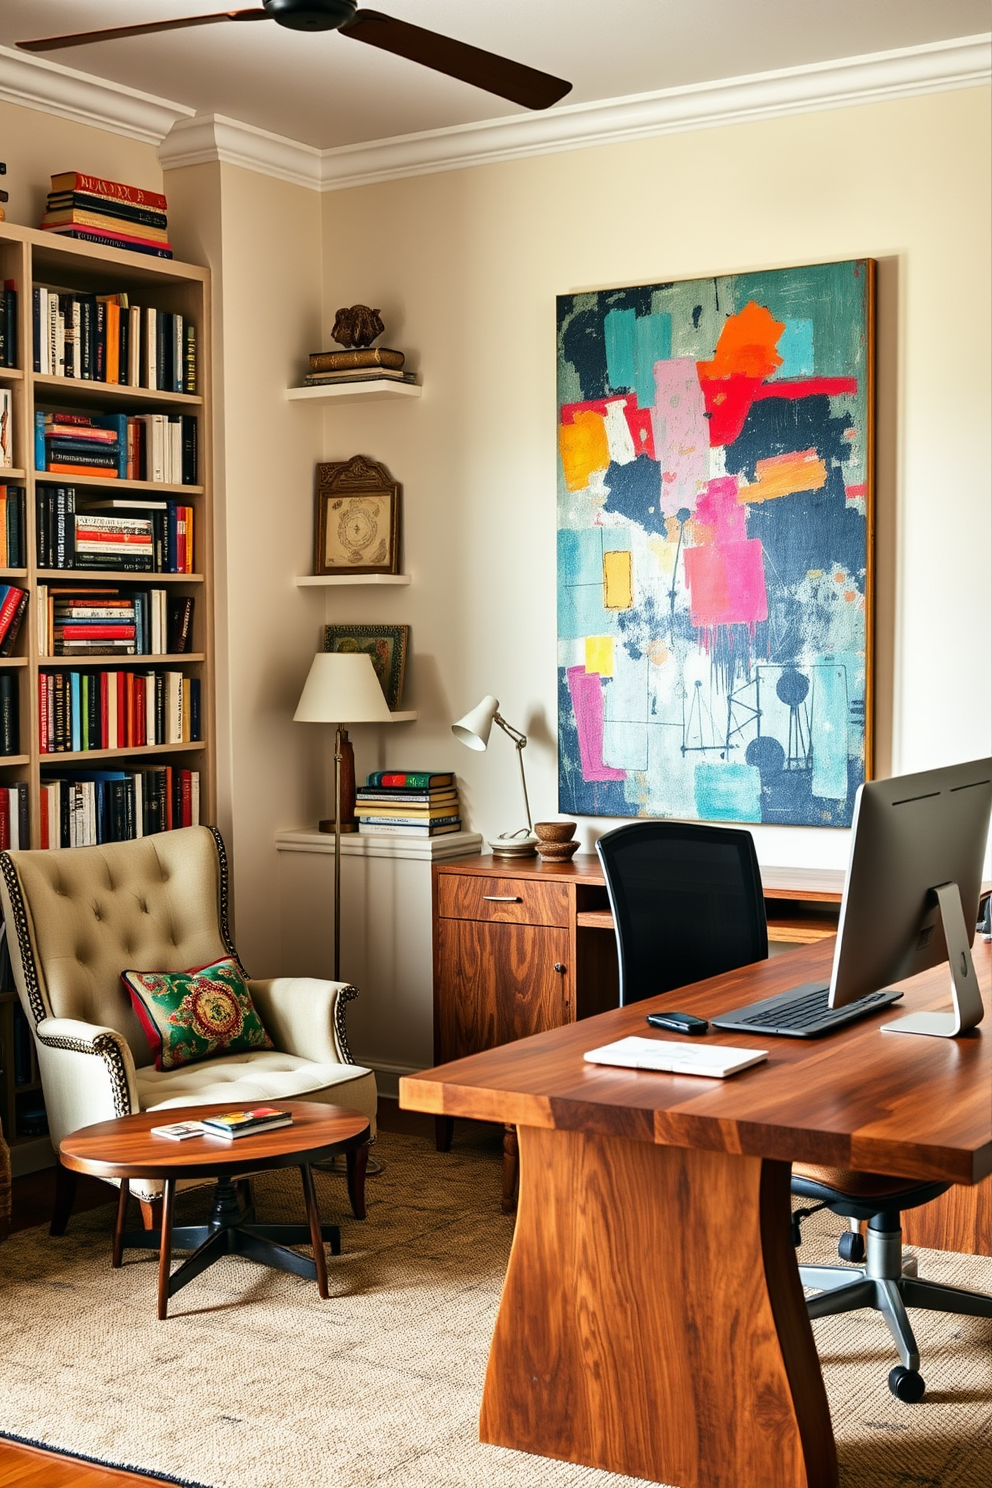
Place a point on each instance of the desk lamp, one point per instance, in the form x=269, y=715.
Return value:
x=473, y=730
x=342, y=685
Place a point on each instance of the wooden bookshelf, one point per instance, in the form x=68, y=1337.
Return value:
x=29, y=257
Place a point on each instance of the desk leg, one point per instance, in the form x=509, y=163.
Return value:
x=652, y=1321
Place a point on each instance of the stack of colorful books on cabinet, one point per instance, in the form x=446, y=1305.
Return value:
x=408, y=803
x=108, y=212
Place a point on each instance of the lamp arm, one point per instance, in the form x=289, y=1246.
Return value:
x=520, y=740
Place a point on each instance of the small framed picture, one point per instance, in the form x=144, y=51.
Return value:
x=385, y=644
x=358, y=519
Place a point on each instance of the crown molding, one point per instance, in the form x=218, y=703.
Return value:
x=210, y=137
x=962, y=63
x=35, y=83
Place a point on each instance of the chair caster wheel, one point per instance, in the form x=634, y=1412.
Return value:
x=851, y=1246
x=906, y=1384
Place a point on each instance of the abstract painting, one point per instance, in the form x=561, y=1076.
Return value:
x=714, y=547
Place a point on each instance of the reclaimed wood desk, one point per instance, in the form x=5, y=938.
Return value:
x=652, y=1321
x=523, y=946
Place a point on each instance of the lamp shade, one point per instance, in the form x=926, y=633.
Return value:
x=474, y=729
x=342, y=687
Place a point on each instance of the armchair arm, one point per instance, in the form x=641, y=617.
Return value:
x=87, y=1072
x=305, y=1016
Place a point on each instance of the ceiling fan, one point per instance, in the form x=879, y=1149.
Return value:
x=512, y=80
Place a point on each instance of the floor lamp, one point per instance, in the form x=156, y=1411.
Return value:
x=342, y=688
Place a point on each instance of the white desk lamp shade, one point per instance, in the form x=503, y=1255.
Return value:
x=474, y=729
x=342, y=687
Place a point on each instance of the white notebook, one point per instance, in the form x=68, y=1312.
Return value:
x=716, y=1061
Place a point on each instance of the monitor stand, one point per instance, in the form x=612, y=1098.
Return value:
x=966, y=995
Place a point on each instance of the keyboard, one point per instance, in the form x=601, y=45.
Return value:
x=802, y=1012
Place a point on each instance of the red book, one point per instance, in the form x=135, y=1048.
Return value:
x=43, y=817
x=104, y=710
x=97, y=632
x=114, y=190
x=5, y=821
x=122, y=739
x=140, y=714
x=43, y=713
x=186, y=798
x=169, y=822
x=8, y=609
x=129, y=741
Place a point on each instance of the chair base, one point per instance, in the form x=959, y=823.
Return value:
x=889, y=1283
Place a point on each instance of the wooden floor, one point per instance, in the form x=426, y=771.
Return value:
x=28, y=1467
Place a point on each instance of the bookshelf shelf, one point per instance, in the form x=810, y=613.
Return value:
x=13, y=661
x=76, y=389
x=357, y=392
x=114, y=483
x=146, y=660
x=15, y=759
x=7, y=473
x=114, y=576
x=82, y=756
x=11, y=374
x=324, y=581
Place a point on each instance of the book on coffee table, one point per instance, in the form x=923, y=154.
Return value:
x=245, y=1123
x=179, y=1131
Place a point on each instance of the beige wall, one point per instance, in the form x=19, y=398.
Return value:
x=466, y=267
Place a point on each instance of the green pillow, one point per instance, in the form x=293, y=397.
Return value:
x=192, y=1015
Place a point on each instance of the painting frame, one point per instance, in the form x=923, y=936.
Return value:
x=385, y=645
x=716, y=497
x=357, y=519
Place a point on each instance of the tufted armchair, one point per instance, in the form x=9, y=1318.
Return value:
x=78, y=917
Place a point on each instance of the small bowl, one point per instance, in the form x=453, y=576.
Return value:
x=557, y=852
x=555, y=831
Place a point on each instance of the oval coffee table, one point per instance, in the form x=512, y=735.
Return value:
x=125, y=1149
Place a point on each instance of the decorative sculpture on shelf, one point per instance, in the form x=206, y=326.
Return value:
x=357, y=326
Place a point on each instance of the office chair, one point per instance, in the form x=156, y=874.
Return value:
x=886, y=1281
x=687, y=903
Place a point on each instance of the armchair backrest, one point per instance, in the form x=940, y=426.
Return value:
x=77, y=917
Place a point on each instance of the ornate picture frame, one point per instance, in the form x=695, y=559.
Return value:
x=386, y=645
x=357, y=525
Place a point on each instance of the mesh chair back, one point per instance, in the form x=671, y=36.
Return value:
x=686, y=901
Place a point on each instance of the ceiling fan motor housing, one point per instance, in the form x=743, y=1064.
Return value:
x=311, y=15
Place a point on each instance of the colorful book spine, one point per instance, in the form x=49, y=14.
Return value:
x=115, y=190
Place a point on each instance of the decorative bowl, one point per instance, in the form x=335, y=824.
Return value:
x=555, y=831
x=557, y=852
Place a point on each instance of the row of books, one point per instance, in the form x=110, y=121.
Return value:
x=25, y=1069
x=15, y=825
x=93, y=620
x=104, y=338
x=13, y=603
x=405, y=803
x=8, y=324
x=157, y=447
x=10, y=714
x=13, y=534
x=79, y=711
x=85, y=807
x=110, y=213
x=75, y=531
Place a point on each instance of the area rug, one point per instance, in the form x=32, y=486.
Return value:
x=255, y=1383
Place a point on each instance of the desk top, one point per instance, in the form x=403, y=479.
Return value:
x=822, y=885
x=879, y=1102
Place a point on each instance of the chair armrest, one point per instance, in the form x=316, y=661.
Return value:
x=305, y=1016
x=87, y=1073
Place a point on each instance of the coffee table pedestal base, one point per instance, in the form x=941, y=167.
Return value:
x=230, y=1230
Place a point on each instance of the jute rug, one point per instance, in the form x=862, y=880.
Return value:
x=254, y=1383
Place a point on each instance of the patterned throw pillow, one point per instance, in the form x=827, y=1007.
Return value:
x=192, y=1015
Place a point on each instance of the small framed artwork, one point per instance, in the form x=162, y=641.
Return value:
x=357, y=528
x=385, y=644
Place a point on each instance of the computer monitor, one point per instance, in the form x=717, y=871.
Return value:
x=912, y=890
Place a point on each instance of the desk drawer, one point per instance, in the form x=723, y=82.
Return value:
x=515, y=901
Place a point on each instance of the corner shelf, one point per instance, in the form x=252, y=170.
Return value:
x=314, y=581
x=357, y=391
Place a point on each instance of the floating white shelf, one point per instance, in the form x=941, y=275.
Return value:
x=357, y=391
x=399, y=717
x=313, y=581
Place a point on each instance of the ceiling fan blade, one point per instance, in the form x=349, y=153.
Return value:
x=512, y=80
x=83, y=38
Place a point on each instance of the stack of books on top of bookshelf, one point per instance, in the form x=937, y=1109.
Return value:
x=108, y=212
x=408, y=803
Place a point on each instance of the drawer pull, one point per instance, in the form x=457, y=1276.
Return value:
x=503, y=898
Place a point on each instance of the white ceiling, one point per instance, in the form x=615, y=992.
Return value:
x=325, y=90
